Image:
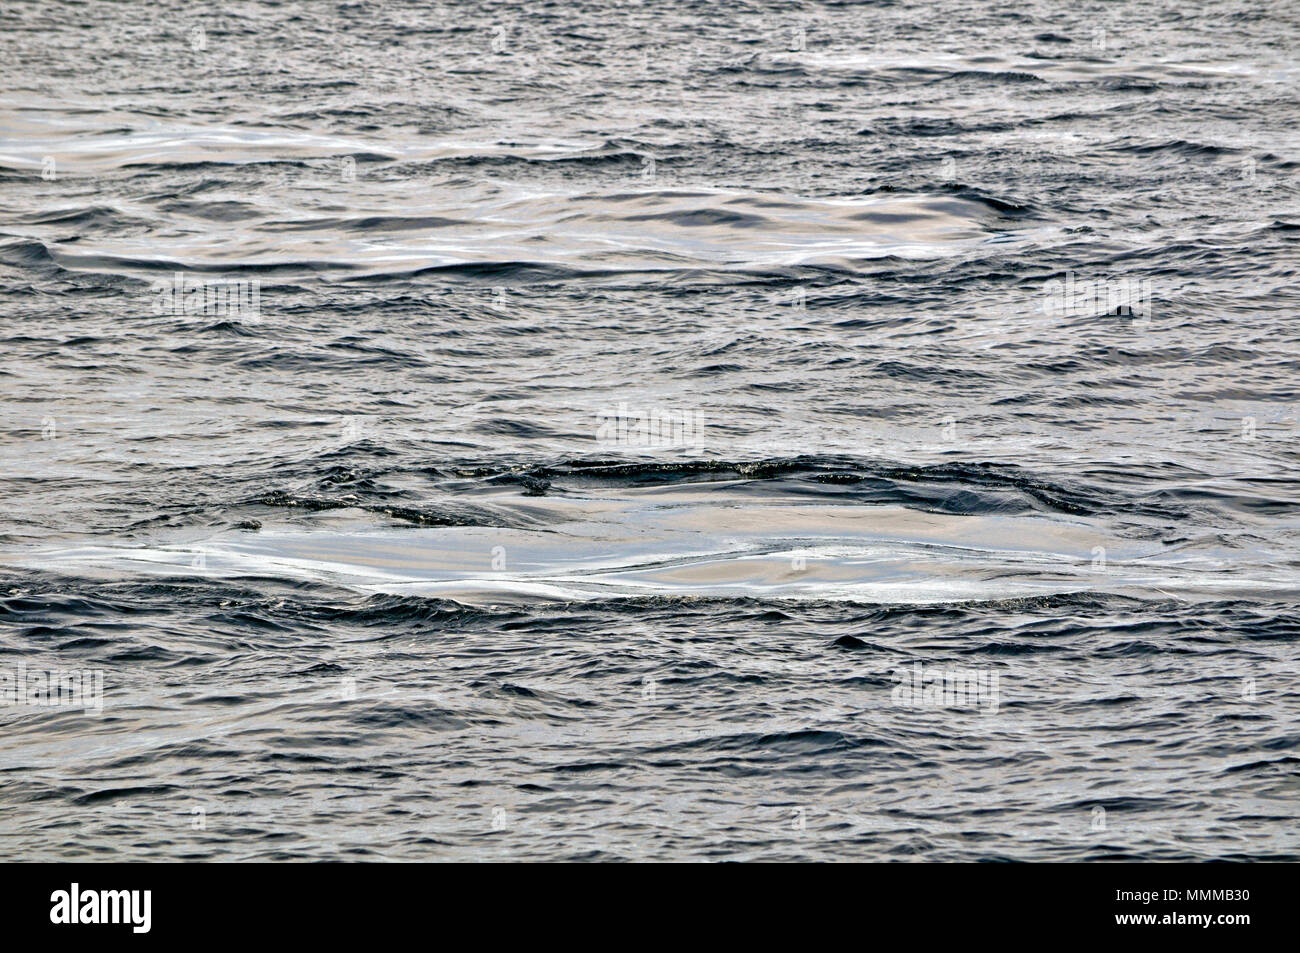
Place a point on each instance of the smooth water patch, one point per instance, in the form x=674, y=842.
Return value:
x=690, y=543
x=391, y=229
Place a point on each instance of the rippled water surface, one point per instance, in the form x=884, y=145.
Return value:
x=497, y=431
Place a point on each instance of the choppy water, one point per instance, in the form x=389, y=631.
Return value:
x=972, y=333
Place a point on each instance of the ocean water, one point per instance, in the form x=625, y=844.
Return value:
x=650, y=431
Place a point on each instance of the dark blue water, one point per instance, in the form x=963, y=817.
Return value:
x=650, y=431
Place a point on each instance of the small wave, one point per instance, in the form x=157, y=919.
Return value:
x=88, y=149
